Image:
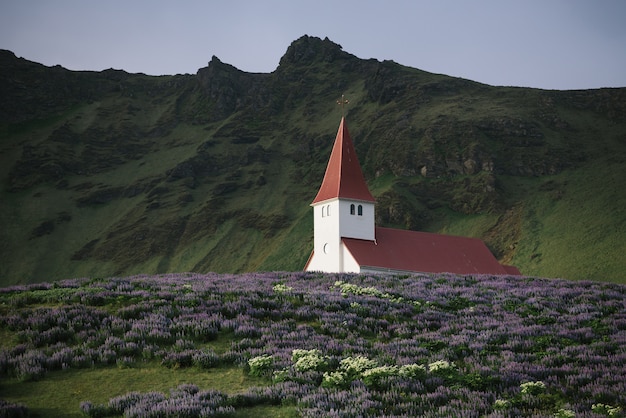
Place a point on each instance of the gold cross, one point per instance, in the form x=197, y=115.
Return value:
x=343, y=101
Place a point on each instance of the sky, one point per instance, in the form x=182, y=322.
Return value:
x=549, y=44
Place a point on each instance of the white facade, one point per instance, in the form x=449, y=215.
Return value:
x=356, y=219
x=334, y=219
x=349, y=263
x=326, y=239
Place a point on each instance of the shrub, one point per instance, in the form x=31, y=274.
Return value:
x=94, y=411
x=206, y=359
x=125, y=362
x=305, y=360
x=440, y=365
x=373, y=377
x=107, y=356
x=533, y=388
x=30, y=366
x=281, y=376
x=565, y=413
x=335, y=379
x=121, y=403
x=354, y=366
x=350, y=369
x=501, y=404
x=261, y=365
x=347, y=288
x=608, y=410
x=412, y=371
x=281, y=288
x=177, y=359
x=185, y=401
x=12, y=410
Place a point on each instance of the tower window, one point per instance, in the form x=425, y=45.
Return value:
x=352, y=209
x=360, y=210
x=328, y=210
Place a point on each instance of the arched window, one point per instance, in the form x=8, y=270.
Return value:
x=323, y=211
x=352, y=209
x=328, y=210
x=360, y=210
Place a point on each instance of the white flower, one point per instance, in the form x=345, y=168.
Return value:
x=439, y=365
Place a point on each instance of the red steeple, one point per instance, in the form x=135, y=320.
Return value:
x=343, y=177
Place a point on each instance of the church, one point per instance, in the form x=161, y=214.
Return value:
x=346, y=238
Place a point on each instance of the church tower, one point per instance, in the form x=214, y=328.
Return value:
x=343, y=207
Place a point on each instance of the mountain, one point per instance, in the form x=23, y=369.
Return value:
x=110, y=173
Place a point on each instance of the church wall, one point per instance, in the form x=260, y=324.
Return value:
x=353, y=225
x=349, y=263
x=316, y=264
x=327, y=254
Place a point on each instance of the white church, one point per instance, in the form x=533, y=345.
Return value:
x=346, y=238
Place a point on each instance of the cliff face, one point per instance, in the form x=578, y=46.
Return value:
x=114, y=173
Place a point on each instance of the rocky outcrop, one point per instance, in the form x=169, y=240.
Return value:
x=33, y=91
x=308, y=49
x=230, y=89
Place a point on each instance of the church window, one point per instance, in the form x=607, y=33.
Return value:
x=328, y=210
x=360, y=210
x=323, y=211
x=352, y=209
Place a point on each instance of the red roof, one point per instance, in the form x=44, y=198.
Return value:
x=343, y=177
x=397, y=249
x=512, y=270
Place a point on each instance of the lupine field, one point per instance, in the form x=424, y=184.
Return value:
x=329, y=345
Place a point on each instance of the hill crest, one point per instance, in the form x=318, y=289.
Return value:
x=113, y=173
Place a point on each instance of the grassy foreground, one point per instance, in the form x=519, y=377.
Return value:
x=313, y=345
x=61, y=392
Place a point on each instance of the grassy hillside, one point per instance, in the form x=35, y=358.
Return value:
x=305, y=344
x=112, y=173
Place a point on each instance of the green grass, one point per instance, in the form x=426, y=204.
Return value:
x=59, y=394
x=453, y=223
x=298, y=240
x=573, y=224
x=268, y=411
x=577, y=232
x=48, y=258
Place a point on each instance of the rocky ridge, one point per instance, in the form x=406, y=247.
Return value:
x=182, y=156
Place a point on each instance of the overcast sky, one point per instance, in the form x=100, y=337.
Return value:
x=552, y=44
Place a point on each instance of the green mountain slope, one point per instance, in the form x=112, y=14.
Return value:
x=113, y=173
